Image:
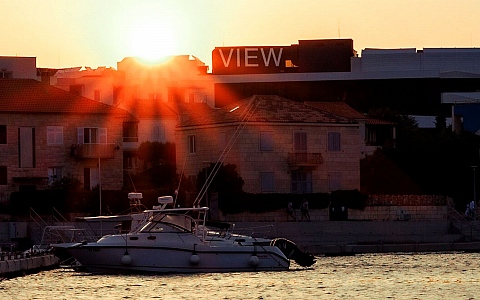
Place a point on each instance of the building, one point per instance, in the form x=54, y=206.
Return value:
x=278, y=145
x=178, y=79
x=101, y=84
x=426, y=83
x=47, y=133
x=18, y=67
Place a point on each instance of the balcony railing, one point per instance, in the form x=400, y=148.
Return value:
x=94, y=150
x=304, y=159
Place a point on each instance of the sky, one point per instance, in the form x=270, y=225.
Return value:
x=92, y=33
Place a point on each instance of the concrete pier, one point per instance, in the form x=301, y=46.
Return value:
x=17, y=264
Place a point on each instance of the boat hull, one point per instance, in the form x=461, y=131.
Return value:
x=167, y=259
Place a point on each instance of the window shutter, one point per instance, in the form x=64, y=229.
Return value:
x=103, y=135
x=80, y=135
x=50, y=135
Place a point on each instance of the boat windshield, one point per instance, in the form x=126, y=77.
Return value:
x=169, y=223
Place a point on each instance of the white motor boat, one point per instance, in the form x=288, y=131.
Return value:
x=179, y=241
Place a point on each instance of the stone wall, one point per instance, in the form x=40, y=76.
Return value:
x=379, y=208
x=408, y=200
x=399, y=213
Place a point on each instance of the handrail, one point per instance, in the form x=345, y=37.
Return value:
x=472, y=227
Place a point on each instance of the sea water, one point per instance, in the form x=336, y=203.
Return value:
x=373, y=276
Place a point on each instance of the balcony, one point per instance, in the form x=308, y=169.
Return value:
x=93, y=150
x=296, y=160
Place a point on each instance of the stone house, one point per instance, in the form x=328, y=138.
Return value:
x=278, y=145
x=47, y=133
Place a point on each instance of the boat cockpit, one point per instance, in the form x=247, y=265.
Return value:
x=170, y=223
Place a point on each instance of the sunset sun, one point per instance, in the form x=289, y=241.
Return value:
x=152, y=40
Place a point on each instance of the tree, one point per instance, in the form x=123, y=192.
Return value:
x=226, y=179
x=156, y=153
x=159, y=166
x=435, y=161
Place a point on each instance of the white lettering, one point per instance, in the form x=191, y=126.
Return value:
x=271, y=53
x=247, y=57
x=250, y=58
x=227, y=62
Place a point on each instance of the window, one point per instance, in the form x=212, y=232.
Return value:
x=158, y=133
x=130, y=132
x=129, y=161
x=6, y=74
x=333, y=141
x=266, y=141
x=300, y=142
x=90, y=178
x=87, y=135
x=267, y=180
x=3, y=134
x=301, y=182
x=26, y=147
x=191, y=144
x=3, y=175
x=54, y=135
x=54, y=174
x=300, y=146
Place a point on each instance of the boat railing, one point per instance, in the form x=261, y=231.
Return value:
x=264, y=231
x=53, y=234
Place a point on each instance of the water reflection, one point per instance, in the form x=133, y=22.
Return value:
x=379, y=276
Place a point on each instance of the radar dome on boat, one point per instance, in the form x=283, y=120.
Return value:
x=165, y=199
x=135, y=196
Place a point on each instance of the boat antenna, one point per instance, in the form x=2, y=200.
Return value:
x=248, y=113
x=180, y=181
x=131, y=180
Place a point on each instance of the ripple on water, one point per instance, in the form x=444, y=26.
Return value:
x=373, y=276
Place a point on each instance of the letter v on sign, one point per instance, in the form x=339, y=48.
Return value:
x=227, y=62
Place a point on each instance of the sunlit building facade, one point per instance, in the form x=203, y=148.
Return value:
x=47, y=134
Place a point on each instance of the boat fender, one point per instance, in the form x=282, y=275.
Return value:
x=254, y=260
x=126, y=259
x=194, y=259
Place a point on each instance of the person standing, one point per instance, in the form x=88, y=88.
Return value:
x=290, y=211
x=304, y=209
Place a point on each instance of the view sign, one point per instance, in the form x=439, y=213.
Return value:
x=247, y=60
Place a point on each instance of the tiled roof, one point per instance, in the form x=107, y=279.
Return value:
x=149, y=108
x=372, y=121
x=338, y=108
x=265, y=108
x=192, y=114
x=342, y=109
x=31, y=96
